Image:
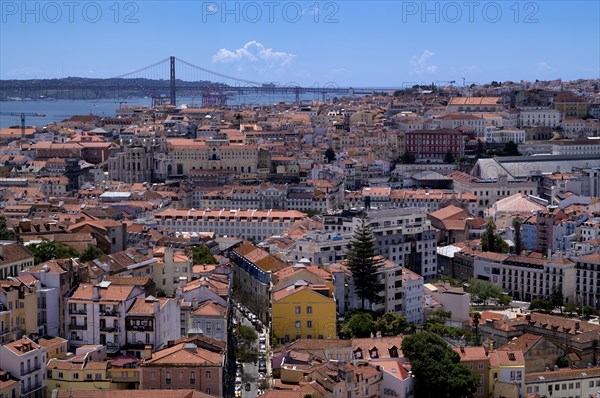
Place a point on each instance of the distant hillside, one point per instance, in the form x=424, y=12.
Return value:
x=77, y=88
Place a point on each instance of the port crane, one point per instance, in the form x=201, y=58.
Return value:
x=22, y=115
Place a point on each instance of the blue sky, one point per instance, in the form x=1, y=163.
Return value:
x=359, y=43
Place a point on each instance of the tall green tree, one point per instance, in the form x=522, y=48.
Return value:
x=364, y=263
x=491, y=242
x=449, y=157
x=330, y=155
x=516, y=224
x=556, y=298
x=51, y=250
x=408, y=158
x=437, y=368
x=491, y=237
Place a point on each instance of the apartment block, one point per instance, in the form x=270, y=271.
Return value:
x=404, y=236
x=256, y=224
x=26, y=361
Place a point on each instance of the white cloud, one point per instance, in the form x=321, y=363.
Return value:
x=254, y=52
x=420, y=63
x=543, y=66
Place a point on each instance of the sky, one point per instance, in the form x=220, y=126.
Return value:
x=346, y=43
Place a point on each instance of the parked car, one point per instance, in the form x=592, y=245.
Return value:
x=262, y=365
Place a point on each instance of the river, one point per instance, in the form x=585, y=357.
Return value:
x=57, y=110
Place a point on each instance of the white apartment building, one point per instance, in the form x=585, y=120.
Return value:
x=247, y=224
x=402, y=291
x=502, y=136
x=404, y=236
x=320, y=248
x=151, y=321
x=587, y=282
x=532, y=117
x=576, y=383
x=490, y=191
x=26, y=361
x=527, y=278
x=412, y=297
x=96, y=314
x=577, y=147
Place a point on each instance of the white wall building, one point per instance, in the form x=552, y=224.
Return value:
x=96, y=314
x=532, y=117
x=257, y=224
x=26, y=361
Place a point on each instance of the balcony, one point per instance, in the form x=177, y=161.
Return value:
x=75, y=326
x=31, y=369
x=77, y=311
x=30, y=389
x=108, y=328
x=139, y=328
x=113, y=313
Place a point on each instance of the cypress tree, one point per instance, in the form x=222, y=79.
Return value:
x=364, y=263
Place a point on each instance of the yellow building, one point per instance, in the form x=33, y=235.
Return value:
x=507, y=373
x=303, y=311
x=77, y=375
x=18, y=308
x=56, y=347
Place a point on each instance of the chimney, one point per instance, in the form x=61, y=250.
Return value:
x=156, y=306
x=95, y=292
x=148, y=351
x=169, y=256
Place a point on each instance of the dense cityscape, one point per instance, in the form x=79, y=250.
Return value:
x=431, y=241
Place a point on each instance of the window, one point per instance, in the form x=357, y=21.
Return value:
x=298, y=325
x=309, y=310
x=480, y=366
x=153, y=375
x=75, y=376
x=192, y=377
x=207, y=375
x=60, y=375
x=298, y=310
x=208, y=390
x=309, y=324
x=168, y=377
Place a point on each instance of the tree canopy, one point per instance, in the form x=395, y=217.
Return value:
x=390, y=324
x=359, y=324
x=437, y=368
x=449, y=157
x=483, y=291
x=50, y=250
x=490, y=242
x=202, y=255
x=91, y=253
x=330, y=155
x=364, y=264
x=5, y=233
x=408, y=158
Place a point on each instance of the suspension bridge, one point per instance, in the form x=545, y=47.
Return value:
x=166, y=80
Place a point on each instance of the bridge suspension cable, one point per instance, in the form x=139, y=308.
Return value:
x=218, y=74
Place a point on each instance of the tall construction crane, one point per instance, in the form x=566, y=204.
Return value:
x=22, y=115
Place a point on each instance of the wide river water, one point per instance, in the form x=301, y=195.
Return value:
x=57, y=110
